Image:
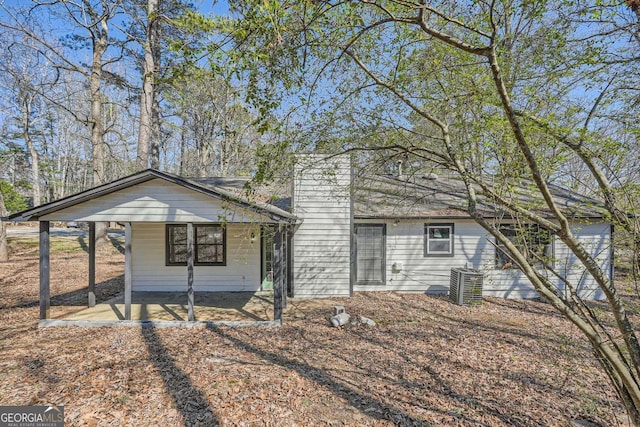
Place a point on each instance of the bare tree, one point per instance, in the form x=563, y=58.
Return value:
x=24, y=77
x=93, y=17
x=215, y=124
x=4, y=247
x=159, y=33
x=148, y=130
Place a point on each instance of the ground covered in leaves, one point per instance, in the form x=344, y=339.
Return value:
x=427, y=362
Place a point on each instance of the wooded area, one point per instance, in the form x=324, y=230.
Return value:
x=510, y=96
x=94, y=90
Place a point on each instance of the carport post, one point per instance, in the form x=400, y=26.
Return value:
x=45, y=296
x=127, y=271
x=92, y=264
x=190, y=299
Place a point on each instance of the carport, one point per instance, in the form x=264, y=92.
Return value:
x=156, y=201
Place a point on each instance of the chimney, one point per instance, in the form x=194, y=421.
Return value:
x=321, y=245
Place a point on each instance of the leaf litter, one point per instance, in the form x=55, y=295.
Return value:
x=426, y=362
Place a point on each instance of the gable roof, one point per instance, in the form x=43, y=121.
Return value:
x=386, y=196
x=374, y=196
x=208, y=187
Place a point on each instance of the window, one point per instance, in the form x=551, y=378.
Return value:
x=535, y=243
x=370, y=254
x=438, y=240
x=209, y=244
x=176, y=245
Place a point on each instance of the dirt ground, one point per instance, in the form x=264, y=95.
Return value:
x=427, y=362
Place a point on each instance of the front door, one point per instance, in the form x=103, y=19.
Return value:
x=370, y=254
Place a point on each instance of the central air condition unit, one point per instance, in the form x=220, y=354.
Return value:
x=466, y=287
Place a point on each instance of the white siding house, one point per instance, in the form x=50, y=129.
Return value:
x=381, y=227
x=149, y=206
x=334, y=235
x=409, y=270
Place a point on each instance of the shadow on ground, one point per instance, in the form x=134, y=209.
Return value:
x=191, y=402
x=105, y=291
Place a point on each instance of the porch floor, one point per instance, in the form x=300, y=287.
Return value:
x=209, y=306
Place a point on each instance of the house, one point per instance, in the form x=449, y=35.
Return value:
x=406, y=234
x=332, y=235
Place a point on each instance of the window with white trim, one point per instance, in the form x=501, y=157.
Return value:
x=438, y=240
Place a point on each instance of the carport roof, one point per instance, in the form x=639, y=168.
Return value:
x=208, y=187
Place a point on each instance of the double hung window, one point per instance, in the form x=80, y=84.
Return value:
x=438, y=240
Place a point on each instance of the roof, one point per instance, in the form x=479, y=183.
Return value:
x=276, y=196
x=374, y=196
x=230, y=190
x=432, y=196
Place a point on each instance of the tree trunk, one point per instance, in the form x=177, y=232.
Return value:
x=146, y=129
x=620, y=372
x=154, y=43
x=4, y=247
x=183, y=144
x=204, y=161
x=33, y=153
x=155, y=140
x=97, y=126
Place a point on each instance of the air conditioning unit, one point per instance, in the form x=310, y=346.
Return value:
x=465, y=287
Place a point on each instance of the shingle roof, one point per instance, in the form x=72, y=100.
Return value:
x=446, y=197
x=374, y=196
x=276, y=195
x=431, y=196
